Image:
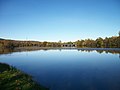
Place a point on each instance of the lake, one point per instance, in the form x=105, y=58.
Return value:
x=69, y=69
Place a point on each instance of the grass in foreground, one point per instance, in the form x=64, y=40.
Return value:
x=13, y=79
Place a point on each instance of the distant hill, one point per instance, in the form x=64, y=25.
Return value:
x=2, y=39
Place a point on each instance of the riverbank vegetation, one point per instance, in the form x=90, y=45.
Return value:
x=111, y=42
x=13, y=79
x=108, y=42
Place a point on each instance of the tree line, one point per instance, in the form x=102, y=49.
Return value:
x=111, y=42
x=108, y=42
x=14, y=43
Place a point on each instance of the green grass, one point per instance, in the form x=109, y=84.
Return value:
x=13, y=79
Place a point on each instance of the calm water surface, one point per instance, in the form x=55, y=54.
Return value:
x=69, y=69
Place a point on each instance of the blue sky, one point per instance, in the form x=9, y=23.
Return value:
x=54, y=20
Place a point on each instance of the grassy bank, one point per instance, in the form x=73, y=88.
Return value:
x=13, y=79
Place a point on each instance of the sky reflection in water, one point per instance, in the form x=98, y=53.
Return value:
x=69, y=69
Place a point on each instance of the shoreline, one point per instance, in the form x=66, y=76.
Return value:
x=12, y=78
x=63, y=48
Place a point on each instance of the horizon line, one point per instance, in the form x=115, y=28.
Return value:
x=53, y=40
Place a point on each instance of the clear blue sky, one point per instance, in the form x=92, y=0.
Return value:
x=54, y=20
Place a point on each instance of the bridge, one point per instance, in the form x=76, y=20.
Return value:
x=69, y=45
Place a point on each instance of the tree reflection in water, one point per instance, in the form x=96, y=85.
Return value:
x=99, y=50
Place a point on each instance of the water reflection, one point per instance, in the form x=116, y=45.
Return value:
x=102, y=51
x=99, y=50
x=6, y=51
x=71, y=69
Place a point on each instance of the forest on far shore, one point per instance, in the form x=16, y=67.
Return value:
x=108, y=42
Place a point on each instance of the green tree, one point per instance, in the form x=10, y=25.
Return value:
x=99, y=42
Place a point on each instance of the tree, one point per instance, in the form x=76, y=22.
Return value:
x=44, y=44
x=99, y=42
